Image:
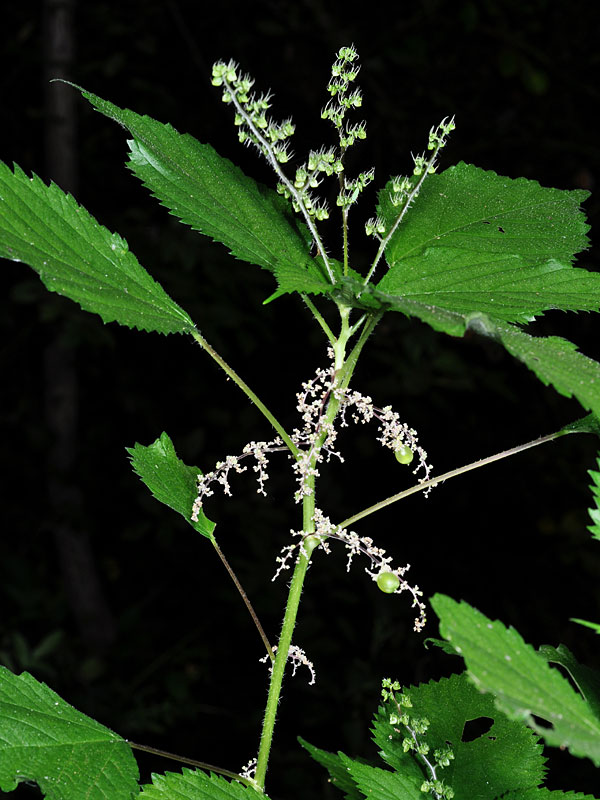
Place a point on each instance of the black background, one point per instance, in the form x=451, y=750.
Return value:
x=181, y=671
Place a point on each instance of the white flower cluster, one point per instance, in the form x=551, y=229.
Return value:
x=298, y=658
x=220, y=473
x=355, y=545
x=316, y=438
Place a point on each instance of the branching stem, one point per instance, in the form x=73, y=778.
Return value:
x=452, y=474
x=247, y=391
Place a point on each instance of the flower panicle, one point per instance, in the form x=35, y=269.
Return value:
x=413, y=728
x=379, y=562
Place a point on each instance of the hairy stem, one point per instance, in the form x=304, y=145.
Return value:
x=452, y=474
x=247, y=391
x=344, y=370
x=192, y=761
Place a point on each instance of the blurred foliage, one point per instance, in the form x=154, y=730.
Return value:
x=522, y=81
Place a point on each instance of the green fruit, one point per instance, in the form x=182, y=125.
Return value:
x=388, y=582
x=404, y=455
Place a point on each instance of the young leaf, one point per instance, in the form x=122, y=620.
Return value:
x=594, y=513
x=213, y=196
x=69, y=755
x=170, y=480
x=477, y=241
x=506, y=756
x=197, y=785
x=75, y=256
x=524, y=685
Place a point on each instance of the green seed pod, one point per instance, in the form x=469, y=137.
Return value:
x=404, y=455
x=388, y=582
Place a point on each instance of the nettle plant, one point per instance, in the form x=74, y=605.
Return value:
x=462, y=250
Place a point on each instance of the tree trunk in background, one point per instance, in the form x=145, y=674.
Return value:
x=80, y=576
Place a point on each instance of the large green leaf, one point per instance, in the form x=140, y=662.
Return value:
x=477, y=241
x=69, y=755
x=170, y=480
x=554, y=360
x=506, y=756
x=213, y=196
x=75, y=256
x=197, y=785
x=594, y=513
x=524, y=685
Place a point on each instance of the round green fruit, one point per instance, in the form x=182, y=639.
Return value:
x=388, y=582
x=404, y=455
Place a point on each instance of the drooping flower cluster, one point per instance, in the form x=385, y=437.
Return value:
x=220, y=474
x=298, y=658
x=317, y=436
x=379, y=562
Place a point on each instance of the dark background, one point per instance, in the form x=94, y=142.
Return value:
x=111, y=598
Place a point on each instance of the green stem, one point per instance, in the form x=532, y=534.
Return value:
x=247, y=391
x=452, y=474
x=344, y=371
x=317, y=315
x=278, y=667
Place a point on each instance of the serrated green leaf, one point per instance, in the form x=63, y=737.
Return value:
x=555, y=361
x=524, y=685
x=170, y=480
x=69, y=755
x=338, y=774
x=380, y=784
x=477, y=241
x=587, y=424
x=507, y=756
x=213, y=196
x=77, y=257
x=594, y=513
x=197, y=785
x=547, y=794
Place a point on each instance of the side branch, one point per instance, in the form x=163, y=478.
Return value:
x=452, y=474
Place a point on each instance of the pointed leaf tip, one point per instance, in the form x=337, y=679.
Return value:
x=170, y=480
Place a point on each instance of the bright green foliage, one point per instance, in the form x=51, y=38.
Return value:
x=77, y=257
x=506, y=757
x=213, y=196
x=594, y=528
x=69, y=755
x=197, y=785
x=170, y=480
x=546, y=794
x=477, y=241
x=499, y=661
